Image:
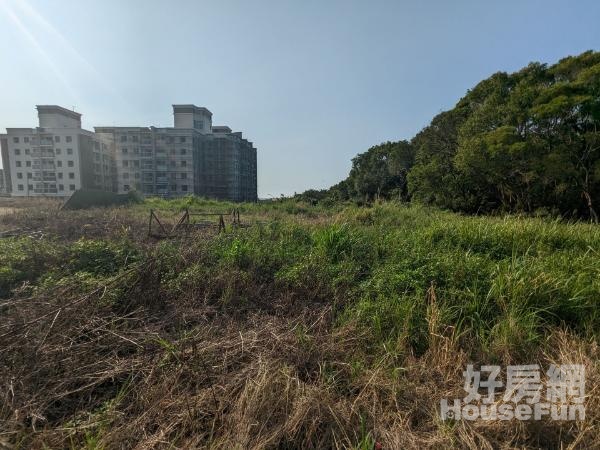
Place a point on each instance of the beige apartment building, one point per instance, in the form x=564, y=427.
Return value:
x=59, y=157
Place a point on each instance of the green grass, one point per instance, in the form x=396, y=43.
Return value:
x=399, y=277
x=500, y=282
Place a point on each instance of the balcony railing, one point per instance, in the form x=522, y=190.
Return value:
x=42, y=153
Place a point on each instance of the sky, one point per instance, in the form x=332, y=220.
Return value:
x=311, y=83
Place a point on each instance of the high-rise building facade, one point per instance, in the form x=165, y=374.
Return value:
x=192, y=157
x=57, y=157
x=7, y=186
x=226, y=166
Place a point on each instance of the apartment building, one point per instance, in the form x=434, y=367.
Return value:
x=225, y=166
x=57, y=157
x=192, y=157
x=5, y=164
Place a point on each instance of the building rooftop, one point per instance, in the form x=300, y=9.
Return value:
x=221, y=129
x=58, y=110
x=190, y=109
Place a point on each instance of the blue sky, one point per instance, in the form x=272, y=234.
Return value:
x=311, y=83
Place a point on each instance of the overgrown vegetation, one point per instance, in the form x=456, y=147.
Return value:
x=522, y=142
x=310, y=328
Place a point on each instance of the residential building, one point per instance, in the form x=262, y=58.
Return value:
x=225, y=167
x=5, y=164
x=152, y=161
x=57, y=157
x=192, y=157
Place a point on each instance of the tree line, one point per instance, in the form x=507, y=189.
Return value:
x=528, y=141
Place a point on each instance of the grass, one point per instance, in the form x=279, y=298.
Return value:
x=309, y=328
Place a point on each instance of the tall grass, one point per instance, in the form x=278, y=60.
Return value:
x=334, y=305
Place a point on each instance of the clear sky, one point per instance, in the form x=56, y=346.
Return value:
x=311, y=83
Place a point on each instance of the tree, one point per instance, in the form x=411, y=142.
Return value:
x=516, y=142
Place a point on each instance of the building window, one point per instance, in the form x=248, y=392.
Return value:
x=183, y=163
x=184, y=187
x=19, y=175
x=70, y=163
x=68, y=138
x=183, y=176
x=182, y=139
x=26, y=139
x=20, y=187
x=18, y=163
x=125, y=187
x=16, y=140
x=30, y=187
x=71, y=176
x=69, y=151
x=72, y=187
x=183, y=151
x=123, y=138
x=17, y=151
x=56, y=138
x=125, y=163
x=134, y=138
x=126, y=175
x=57, y=151
x=173, y=187
x=28, y=163
x=29, y=176
x=27, y=151
x=61, y=187
x=60, y=175
x=124, y=150
x=58, y=163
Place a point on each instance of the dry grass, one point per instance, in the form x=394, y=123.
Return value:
x=79, y=373
x=156, y=371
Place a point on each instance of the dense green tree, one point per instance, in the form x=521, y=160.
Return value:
x=519, y=142
x=382, y=171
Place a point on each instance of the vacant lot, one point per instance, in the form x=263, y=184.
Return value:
x=304, y=328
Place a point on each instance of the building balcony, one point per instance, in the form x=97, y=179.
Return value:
x=38, y=154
